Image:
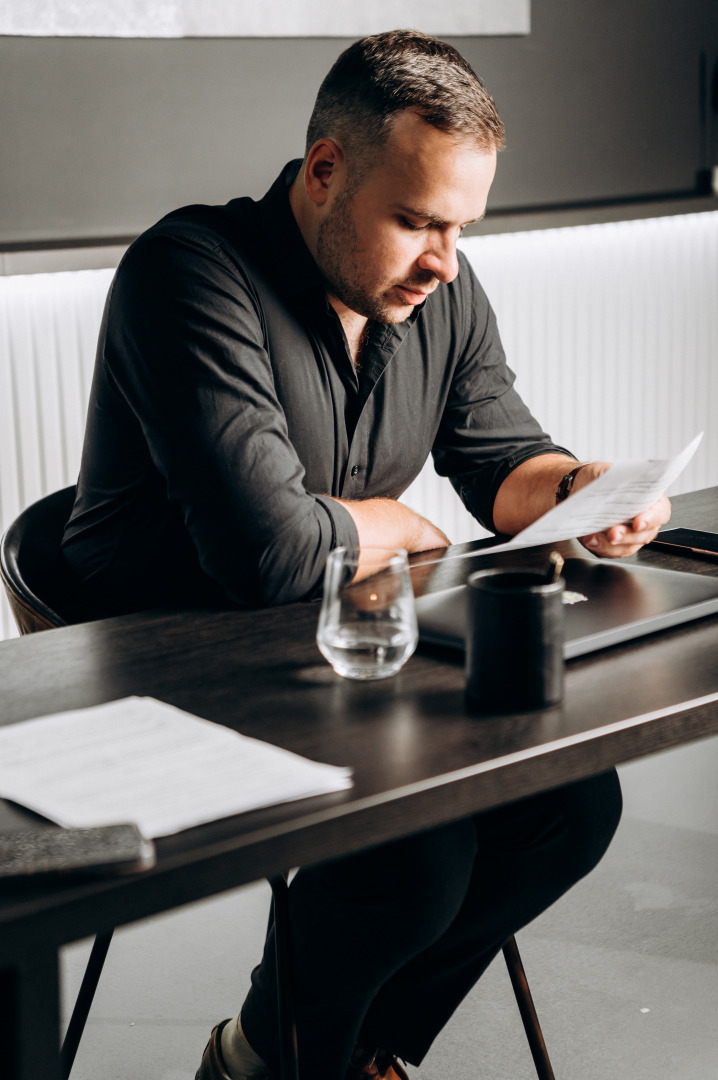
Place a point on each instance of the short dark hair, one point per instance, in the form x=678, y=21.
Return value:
x=382, y=75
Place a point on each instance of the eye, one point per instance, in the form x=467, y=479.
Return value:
x=406, y=224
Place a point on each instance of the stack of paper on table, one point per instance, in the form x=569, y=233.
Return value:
x=144, y=761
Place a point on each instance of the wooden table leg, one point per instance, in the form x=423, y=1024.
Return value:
x=30, y=1019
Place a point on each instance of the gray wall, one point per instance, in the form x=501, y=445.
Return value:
x=604, y=100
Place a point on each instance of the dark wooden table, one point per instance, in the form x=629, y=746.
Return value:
x=418, y=758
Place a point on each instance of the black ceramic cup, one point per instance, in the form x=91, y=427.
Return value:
x=514, y=641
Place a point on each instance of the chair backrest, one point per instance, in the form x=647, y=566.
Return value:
x=40, y=586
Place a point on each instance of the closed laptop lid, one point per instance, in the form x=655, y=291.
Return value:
x=606, y=603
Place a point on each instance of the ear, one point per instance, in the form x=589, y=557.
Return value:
x=323, y=170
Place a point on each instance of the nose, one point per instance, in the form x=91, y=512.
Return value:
x=440, y=257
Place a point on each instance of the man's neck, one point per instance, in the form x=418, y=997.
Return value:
x=354, y=325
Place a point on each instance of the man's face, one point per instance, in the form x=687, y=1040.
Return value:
x=385, y=247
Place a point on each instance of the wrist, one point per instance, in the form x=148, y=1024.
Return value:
x=565, y=486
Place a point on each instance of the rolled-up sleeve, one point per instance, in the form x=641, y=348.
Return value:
x=185, y=348
x=486, y=429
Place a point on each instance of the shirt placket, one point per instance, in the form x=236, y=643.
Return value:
x=366, y=437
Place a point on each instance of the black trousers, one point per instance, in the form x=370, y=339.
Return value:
x=387, y=943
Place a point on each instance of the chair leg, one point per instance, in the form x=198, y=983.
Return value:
x=528, y=1011
x=289, y=1063
x=84, y=1002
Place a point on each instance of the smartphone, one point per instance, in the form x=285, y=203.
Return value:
x=687, y=542
x=52, y=851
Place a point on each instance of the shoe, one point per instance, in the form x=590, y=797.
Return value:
x=374, y=1065
x=212, y=1066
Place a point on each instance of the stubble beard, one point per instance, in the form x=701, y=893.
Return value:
x=338, y=261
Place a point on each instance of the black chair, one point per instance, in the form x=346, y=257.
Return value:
x=43, y=593
x=40, y=587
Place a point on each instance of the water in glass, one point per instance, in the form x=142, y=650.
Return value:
x=367, y=629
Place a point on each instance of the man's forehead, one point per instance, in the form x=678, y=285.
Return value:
x=433, y=175
x=409, y=129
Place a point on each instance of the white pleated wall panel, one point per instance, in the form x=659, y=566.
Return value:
x=611, y=329
x=48, y=336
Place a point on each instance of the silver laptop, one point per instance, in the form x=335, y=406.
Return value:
x=606, y=603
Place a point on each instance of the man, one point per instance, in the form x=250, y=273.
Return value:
x=271, y=377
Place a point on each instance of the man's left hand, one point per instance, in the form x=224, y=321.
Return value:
x=622, y=540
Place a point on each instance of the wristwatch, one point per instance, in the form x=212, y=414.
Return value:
x=566, y=486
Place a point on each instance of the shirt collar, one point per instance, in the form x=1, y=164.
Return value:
x=292, y=265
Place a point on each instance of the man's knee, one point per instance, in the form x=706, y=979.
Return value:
x=587, y=814
x=567, y=829
x=592, y=810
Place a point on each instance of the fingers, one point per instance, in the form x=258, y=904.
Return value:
x=600, y=544
x=620, y=541
x=652, y=520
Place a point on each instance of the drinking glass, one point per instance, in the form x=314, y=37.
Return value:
x=367, y=629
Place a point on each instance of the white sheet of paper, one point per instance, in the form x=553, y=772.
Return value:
x=144, y=761
x=625, y=490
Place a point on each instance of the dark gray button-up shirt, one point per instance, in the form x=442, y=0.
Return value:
x=225, y=409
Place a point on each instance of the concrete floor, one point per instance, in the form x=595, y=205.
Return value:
x=624, y=970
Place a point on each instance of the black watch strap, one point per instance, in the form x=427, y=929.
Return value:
x=566, y=486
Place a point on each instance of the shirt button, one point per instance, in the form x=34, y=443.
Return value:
x=355, y=470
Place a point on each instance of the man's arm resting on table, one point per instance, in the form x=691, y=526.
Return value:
x=388, y=523
x=525, y=495
x=530, y=491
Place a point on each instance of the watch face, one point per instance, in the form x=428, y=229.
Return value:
x=564, y=488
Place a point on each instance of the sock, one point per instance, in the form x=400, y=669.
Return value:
x=240, y=1059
